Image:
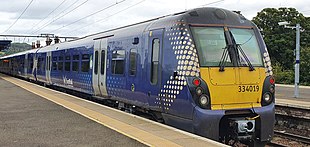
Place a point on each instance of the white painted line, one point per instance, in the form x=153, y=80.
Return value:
x=292, y=86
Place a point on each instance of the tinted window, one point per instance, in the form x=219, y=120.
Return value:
x=60, y=66
x=54, y=66
x=85, y=63
x=75, y=62
x=96, y=62
x=76, y=57
x=85, y=66
x=118, y=58
x=85, y=57
x=75, y=66
x=155, y=59
x=132, y=61
x=102, y=62
x=67, y=66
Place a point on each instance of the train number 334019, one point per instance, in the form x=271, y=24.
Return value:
x=248, y=88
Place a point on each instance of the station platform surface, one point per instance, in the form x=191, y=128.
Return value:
x=285, y=96
x=32, y=115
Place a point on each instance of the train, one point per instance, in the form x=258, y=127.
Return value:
x=205, y=70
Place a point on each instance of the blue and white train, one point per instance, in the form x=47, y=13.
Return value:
x=205, y=70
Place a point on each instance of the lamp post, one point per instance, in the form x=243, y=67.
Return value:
x=297, y=53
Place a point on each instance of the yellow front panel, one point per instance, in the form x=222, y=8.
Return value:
x=249, y=77
x=242, y=89
x=227, y=77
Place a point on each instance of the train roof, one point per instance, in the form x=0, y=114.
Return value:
x=20, y=53
x=215, y=16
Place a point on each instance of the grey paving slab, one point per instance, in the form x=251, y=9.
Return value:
x=29, y=120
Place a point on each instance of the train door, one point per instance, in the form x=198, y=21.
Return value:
x=155, y=45
x=26, y=65
x=34, y=67
x=99, y=67
x=48, y=67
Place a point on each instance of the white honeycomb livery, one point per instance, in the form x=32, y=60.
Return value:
x=188, y=64
x=267, y=64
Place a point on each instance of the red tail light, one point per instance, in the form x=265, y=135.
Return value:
x=196, y=82
x=272, y=80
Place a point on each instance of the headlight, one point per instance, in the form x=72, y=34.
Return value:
x=267, y=98
x=199, y=91
x=204, y=101
x=271, y=89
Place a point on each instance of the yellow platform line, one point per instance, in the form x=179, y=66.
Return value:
x=123, y=128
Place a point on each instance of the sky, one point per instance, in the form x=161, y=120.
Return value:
x=79, y=18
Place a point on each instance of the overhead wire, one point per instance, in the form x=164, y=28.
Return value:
x=89, y=15
x=212, y=3
x=48, y=23
x=124, y=10
x=46, y=16
x=108, y=16
x=19, y=16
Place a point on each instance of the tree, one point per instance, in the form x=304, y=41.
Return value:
x=280, y=41
x=305, y=66
x=15, y=48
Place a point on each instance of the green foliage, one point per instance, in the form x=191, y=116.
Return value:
x=283, y=76
x=281, y=41
x=305, y=66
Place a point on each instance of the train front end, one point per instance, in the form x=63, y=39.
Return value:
x=235, y=91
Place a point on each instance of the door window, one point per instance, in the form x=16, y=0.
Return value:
x=102, y=62
x=132, y=62
x=96, y=62
x=155, y=60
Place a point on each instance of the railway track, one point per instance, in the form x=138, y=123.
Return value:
x=294, y=124
x=297, y=112
x=298, y=138
x=293, y=120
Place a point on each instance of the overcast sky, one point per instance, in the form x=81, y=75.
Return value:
x=69, y=17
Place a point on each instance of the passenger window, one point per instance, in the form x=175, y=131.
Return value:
x=102, y=62
x=30, y=62
x=67, y=63
x=85, y=63
x=132, y=62
x=40, y=64
x=60, y=63
x=75, y=63
x=118, y=60
x=54, y=64
x=96, y=62
x=155, y=60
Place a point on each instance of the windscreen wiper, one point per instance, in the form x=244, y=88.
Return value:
x=227, y=50
x=245, y=57
x=238, y=48
x=224, y=58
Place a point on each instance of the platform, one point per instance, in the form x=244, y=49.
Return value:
x=285, y=96
x=32, y=115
